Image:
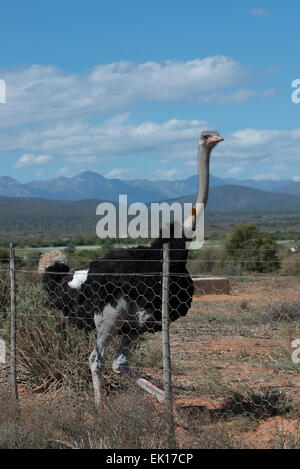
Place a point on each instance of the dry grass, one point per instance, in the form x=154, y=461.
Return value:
x=129, y=421
x=52, y=352
x=232, y=373
x=256, y=404
x=288, y=310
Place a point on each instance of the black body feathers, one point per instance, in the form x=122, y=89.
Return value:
x=134, y=274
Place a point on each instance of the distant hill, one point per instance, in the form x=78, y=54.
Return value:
x=233, y=198
x=91, y=185
x=292, y=188
x=33, y=217
x=10, y=187
x=263, y=185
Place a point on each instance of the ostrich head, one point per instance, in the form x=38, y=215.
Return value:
x=51, y=259
x=209, y=139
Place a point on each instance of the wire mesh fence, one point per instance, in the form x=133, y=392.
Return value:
x=233, y=353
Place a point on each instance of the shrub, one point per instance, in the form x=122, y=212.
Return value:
x=204, y=262
x=246, y=246
x=4, y=293
x=4, y=256
x=51, y=351
x=284, y=310
x=291, y=265
x=257, y=404
x=128, y=421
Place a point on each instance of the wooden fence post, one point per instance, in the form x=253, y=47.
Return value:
x=13, y=311
x=166, y=344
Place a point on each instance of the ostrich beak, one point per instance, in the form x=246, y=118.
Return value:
x=215, y=139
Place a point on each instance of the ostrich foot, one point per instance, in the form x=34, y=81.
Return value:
x=120, y=365
x=150, y=388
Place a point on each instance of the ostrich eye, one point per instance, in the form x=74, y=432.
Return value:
x=206, y=137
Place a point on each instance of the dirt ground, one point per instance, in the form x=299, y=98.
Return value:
x=228, y=342
x=232, y=346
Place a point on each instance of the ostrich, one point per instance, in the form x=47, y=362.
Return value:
x=122, y=292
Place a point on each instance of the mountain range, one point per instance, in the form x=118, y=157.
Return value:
x=91, y=185
x=239, y=198
x=30, y=217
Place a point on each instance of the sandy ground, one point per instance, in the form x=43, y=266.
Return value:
x=223, y=344
x=241, y=355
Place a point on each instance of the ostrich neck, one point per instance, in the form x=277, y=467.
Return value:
x=203, y=168
x=203, y=175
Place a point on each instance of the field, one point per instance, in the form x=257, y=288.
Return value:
x=235, y=383
x=235, y=371
x=31, y=220
x=235, y=348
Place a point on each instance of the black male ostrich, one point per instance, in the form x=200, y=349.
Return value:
x=122, y=292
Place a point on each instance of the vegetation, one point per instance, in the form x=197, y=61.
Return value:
x=70, y=422
x=4, y=293
x=243, y=249
x=53, y=355
x=246, y=245
x=256, y=404
x=288, y=310
x=291, y=264
x=4, y=257
x=54, y=373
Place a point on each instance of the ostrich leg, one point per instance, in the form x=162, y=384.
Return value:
x=107, y=323
x=121, y=365
x=96, y=363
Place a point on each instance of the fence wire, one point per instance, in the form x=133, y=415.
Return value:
x=232, y=339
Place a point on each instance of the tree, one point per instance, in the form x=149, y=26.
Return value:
x=246, y=246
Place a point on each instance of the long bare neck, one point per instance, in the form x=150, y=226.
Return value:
x=203, y=175
x=203, y=187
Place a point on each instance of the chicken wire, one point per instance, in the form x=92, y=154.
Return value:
x=230, y=353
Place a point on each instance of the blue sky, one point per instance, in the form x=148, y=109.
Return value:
x=125, y=88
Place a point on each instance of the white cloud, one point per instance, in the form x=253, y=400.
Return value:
x=267, y=93
x=68, y=171
x=275, y=173
x=168, y=174
x=49, y=111
x=45, y=93
x=28, y=159
x=279, y=149
x=235, y=97
x=118, y=173
x=168, y=141
x=235, y=170
x=81, y=142
x=266, y=176
x=253, y=137
x=259, y=12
